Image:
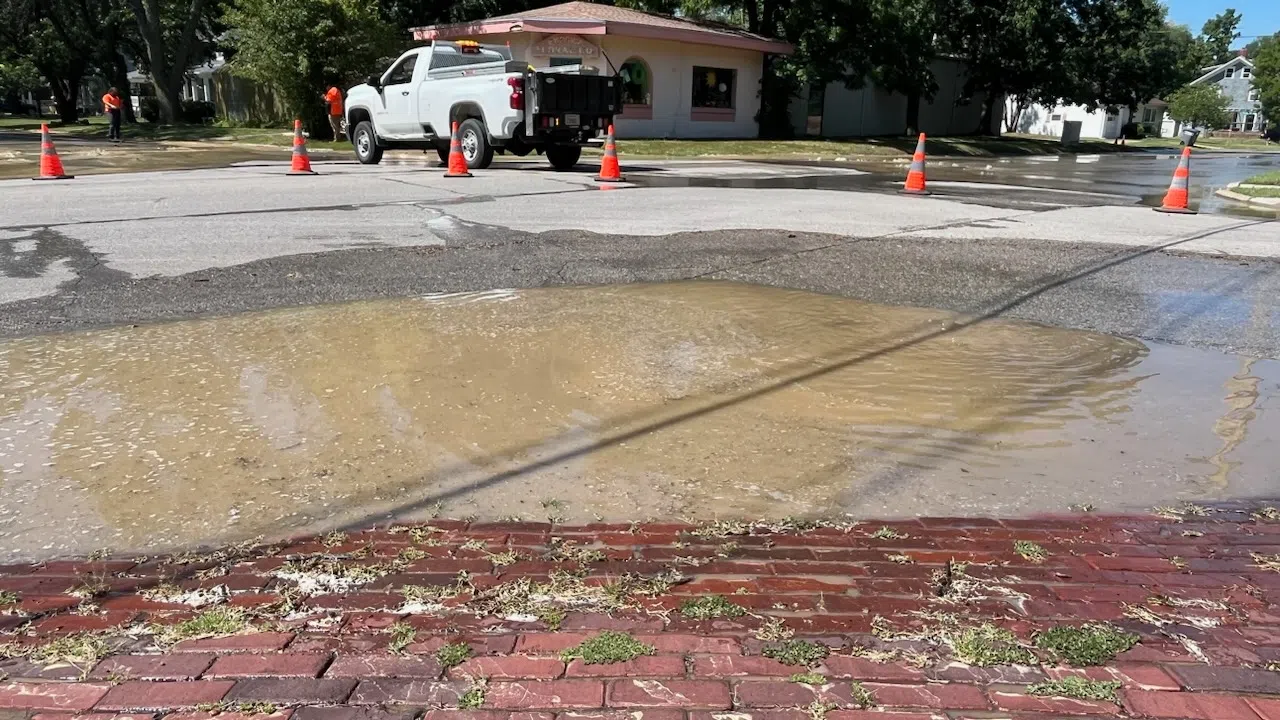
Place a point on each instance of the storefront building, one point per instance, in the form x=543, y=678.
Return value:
x=681, y=79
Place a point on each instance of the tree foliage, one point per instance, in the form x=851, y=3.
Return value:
x=300, y=47
x=1217, y=35
x=1199, y=106
x=1266, y=76
x=175, y=34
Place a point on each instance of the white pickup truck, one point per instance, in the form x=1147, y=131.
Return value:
x=500, y=105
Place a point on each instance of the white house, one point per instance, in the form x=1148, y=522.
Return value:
x=1098, y=124
x=681, y=79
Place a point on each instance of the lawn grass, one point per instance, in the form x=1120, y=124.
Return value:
x=1262, y=192
x=1268, y=178
x=96, y=127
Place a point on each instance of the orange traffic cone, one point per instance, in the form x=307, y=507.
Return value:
x=50, y=164
x=915, y=176
x=301, y=162
x=1175, y=201
x=457, y=161
x=609, y=170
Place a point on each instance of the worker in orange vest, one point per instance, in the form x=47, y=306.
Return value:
x=334, y=98
x=112, y=107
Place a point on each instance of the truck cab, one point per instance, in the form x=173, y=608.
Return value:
x=499, y=104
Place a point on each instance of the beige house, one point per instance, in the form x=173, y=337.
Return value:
x=681, y=79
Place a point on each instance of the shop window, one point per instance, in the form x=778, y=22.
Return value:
x=637, y=89
x=713, y=93
x=562, y=61
x=817, y=103
x=713, y=88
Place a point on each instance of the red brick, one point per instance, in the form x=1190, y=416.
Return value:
x=686, y=694
x=1194, y=706
x=378, y=691
x=1137, y=676
x=51, y=696
x=879, y=715
x=1267, y=708
x=511, y=667
x=164, y=695
x=1101, y=593
x=545, y=695
x=253, y=642
x=632, y=714
x=779, y=693
x=688, y=644
x=1062, y=706
x=595, y=621
x=281, y=714
x=354, y=712
x=480, y=645
x=1227, y=679
x=842, y=666
x=740, y=666
x=292, y=690
x=67, y=624
x=282, y=665
x=937, y=696
x=152, y=667
x=362, y=666
x=644, y=666
x=94, y=716
x=487, y=715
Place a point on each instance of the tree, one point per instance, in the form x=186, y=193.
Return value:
x=99, y=30
x=17, y=76
x=26, y=33
x=1217, y=35
x=1018, y=49
x=1199, y=106
x=175, y=34
x=1266, y=77
x=301, y=46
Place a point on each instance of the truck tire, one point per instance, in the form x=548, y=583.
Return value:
x=564, y=157
x=366, y=144
x=475, y=144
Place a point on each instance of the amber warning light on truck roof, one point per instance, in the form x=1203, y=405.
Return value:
x=468, y=46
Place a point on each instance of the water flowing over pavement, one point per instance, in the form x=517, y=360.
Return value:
x=687, y=400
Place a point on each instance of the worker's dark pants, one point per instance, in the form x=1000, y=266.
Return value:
x=113, y=131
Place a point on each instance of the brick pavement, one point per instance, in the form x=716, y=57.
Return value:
x=932, y=618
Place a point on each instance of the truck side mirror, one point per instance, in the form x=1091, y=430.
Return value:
x=373, y=81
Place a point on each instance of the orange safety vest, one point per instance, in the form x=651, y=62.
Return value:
x=334, y=97
x=110, y=102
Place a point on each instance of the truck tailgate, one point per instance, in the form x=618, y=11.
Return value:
x=557, y=93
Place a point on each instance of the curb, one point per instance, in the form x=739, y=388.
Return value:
x=1230, y=194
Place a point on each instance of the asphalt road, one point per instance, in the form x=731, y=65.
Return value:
x=107, y=250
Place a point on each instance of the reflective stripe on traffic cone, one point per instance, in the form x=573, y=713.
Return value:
x=609, y=170
x=457, y=161
x=1175, y=201
x=301, y=162
x=915, y=176
x=50, y=164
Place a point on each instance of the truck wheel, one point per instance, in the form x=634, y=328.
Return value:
x=475, y=144
x=366, y=144
x=564, y=157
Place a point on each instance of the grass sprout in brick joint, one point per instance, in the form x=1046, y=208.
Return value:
x=809, y=617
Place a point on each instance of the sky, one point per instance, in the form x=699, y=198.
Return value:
x=1261, y=17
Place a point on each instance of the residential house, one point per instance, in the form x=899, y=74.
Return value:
x=1235, y=79
x=1098, y=124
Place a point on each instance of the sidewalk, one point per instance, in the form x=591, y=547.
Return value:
x=1164, y=616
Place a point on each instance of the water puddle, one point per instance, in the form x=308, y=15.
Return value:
x=688, y=400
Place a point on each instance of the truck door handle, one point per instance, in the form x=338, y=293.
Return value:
x=404, y=92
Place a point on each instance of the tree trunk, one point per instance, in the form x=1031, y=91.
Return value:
x=913, y=114
x=66, y=94
x=168, y=64
x=753, y=16
x=167, y=99
x=120, y=78
x=988, y=112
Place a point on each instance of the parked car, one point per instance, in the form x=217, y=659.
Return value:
x=501, y=105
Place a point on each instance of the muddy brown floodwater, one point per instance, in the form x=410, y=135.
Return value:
x=690, y=400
